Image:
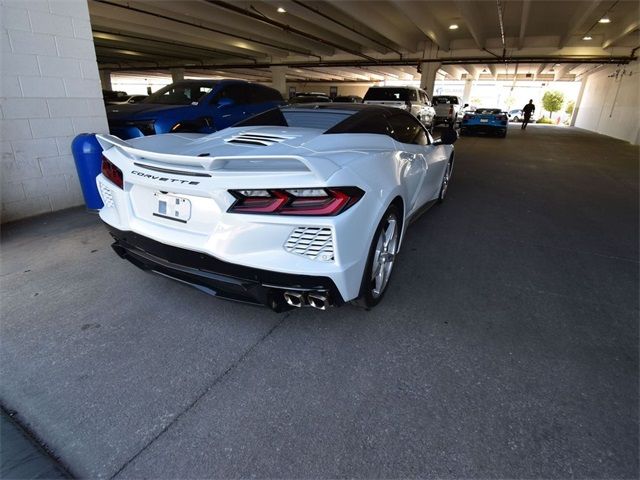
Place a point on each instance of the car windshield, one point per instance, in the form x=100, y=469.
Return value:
x=300, y=118
x=488, y=111
x=390, y=94
x=444, y=99
x=514, y=111
x=179, y=94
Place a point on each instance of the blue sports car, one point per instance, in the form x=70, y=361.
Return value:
x=201, y=106
x=485, y=120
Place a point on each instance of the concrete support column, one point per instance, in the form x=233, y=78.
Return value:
x=177, y=74
x=428, y=76
x=279, y=80
x=576, y=107
x=105, y=79
x=466, y=94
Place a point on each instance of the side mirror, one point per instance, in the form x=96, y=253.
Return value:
x=448, y=137
x=225, y=102
x=465, y=105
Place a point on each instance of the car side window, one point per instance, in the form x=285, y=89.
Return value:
x=406, y=129
x=236, y=92
x=423, y=97
x=262, y=94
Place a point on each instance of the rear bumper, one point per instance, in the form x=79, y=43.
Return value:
x=217, y=277
x=488, y=129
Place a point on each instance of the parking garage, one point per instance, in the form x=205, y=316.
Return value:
x=507, y=341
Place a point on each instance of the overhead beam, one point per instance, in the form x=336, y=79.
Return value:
x=494, y=71
x=524, y=19
x=204, y=13
x=471, y=16
x=559, y=72
x=473, y=71
x=539, y=70
x=452, y=71
x=626, y=29
x=116, y=12
x=287, y=28
x=421, y=15
x=202, y=52
x=338, y=22
x=372, y=16
x=577, y=20
x=412, y=61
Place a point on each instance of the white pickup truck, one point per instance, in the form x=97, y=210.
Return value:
x=449, y=109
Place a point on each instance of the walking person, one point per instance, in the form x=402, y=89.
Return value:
x=527, y=111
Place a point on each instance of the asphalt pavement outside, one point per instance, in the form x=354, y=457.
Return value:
x=506, y=346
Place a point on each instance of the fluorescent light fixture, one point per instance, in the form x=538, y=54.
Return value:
x=604, y=20
x=453, y=26
x=587, y=37
x=281, y=10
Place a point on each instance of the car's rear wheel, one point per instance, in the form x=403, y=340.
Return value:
x=381, y=259
x=446, y=178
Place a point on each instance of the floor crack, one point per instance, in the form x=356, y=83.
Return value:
x=206, y=390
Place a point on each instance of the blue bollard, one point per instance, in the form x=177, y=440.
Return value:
x=87, y=154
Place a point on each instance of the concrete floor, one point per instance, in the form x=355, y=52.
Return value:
x=507, y=344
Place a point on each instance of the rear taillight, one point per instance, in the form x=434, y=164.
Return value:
x=450, y=110
x=112, y=172
x=501, y=117
x=296, y=201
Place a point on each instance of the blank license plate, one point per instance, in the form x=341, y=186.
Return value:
x=484, y=120
x=172, y=207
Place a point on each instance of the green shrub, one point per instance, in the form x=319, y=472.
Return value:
x=545, y=120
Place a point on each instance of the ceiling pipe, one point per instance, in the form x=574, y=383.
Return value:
x=501, y=22
x=285, y=27
x=343, y=25
x=210, y=29
x=409, y=62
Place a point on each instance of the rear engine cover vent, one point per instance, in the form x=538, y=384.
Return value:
x=315, y=243
x=249, y=138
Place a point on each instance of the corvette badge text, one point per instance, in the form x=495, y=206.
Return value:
x=163, y=179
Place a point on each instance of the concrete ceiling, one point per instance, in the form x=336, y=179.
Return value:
x=358, y=41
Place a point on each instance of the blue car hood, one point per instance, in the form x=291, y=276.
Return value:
x=142, y=110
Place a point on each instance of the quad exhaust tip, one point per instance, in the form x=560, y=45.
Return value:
x=295, y=299
x=319, y=300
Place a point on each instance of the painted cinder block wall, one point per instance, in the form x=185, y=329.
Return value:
x=49, y=92
x=611, y=103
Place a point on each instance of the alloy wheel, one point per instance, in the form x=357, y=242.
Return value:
x=384, y=255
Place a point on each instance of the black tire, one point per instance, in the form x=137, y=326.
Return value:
x=368, y=297
x=446, y=180
x=516, y=119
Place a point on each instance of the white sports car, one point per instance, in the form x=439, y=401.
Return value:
x=298, y=206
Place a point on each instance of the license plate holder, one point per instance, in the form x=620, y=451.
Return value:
x=172, y=207
x=484, y=120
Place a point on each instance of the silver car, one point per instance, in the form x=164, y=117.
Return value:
x=413, y=99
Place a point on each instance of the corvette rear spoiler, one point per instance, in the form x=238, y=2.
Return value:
x=244, y=164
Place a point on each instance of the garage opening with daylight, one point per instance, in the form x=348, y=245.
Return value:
x=319, y=239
